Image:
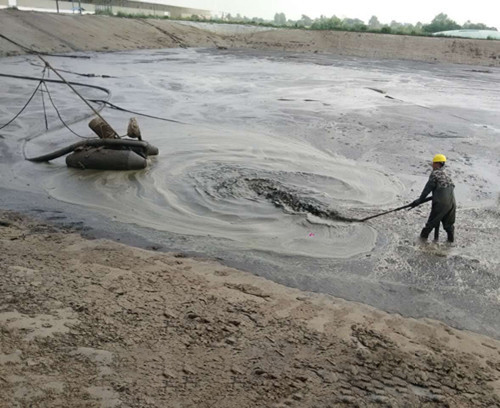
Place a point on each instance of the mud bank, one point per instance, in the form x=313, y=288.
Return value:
x=96, y=323
x=63, y=33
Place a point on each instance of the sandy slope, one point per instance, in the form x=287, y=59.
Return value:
x=95, y=323
x=64, y=33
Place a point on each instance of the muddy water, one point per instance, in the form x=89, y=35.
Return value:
x=204, y=183
x=274, y=154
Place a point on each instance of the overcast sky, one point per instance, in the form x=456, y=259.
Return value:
x=413, y=11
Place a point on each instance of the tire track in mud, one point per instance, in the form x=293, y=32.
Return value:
x=172, y=36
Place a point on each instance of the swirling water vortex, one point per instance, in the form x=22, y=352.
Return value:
x=220, y=184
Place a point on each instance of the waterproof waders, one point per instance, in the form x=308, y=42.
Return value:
x=443, y=203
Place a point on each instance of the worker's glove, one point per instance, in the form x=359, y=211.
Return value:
x=415, y=203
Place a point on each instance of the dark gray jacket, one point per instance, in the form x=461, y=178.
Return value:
x=442, y=188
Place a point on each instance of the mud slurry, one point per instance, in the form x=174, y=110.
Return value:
x=463, y=273
x=174, y=194
x=320, y=135
x=290, y=200
x=150, y=330
x=200, y=190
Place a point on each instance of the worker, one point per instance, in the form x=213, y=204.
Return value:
x=443, y=200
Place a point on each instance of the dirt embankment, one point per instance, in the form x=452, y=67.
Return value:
x=95, y=323
x=65, y=33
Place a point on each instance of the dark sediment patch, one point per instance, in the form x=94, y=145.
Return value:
x=446, y=135
x=376, y=90
x=290, y=200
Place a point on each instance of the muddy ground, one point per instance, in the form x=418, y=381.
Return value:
x=269, y=142
x=96, y=323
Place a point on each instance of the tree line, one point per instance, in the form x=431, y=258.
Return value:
x=440, y=23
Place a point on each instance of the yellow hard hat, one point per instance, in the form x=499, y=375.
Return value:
x=439, y=158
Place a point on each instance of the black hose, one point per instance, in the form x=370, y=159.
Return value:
x=43, y=101
x=409, y=206
x=113, y=106
x=74, y=73
x=150, y=150
x=55, y=81
x=91, y=143
x=59, y=113
x=99, y=101
x=24, y=107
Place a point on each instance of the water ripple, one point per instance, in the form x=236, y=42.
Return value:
x=221, y=184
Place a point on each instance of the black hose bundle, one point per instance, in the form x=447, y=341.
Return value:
x=148, y=149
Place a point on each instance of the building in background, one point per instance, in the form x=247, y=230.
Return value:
x=108, y=6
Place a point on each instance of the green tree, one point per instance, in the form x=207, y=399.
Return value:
x=477, y=26
x=374, y=24
x=325, y=23
x=258, y=20
x=305, y=21
x=280, y=19
x=441, y=23
x=352, y=22
x=395, y=26
x=335, y=22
